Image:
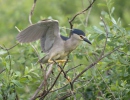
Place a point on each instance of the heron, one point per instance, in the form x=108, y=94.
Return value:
x=55, y=46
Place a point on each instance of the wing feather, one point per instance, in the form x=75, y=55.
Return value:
x=46, y=31
x=36, y=31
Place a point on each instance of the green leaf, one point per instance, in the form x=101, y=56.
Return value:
x=35, y=74
x=26, y=70
x=17, y=83
x=2, y=52
x=112, y=10
x=101, y=5
x=101, y=37
x=29, y=77
x=113, y=20
x=104, y=13
x=97, y=30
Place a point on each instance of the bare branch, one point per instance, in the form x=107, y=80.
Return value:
x=90, y=66
x=59, y=88
x=45, y=94
x=9, y=48
x=31, y=13
x=37, y=91
x=70, y=21
x=42, y=83
x=65, y=75
x=17, y=29
x=73, y=68
x=68, y=94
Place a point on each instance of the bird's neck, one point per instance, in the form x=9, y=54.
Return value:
x=71, y=44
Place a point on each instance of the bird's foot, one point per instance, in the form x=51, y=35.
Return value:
x=50, y=61
x=57, y=61
x=60, y=61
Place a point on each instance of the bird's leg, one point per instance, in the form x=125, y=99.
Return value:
x=50, y=61
x=60, y=61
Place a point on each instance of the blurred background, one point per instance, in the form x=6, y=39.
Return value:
x=108, y=80
x=15, y=13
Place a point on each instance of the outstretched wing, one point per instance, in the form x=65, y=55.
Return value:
x=45, y=30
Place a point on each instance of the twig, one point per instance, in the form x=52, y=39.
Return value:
x=73, y=68
x=37, y=91
x=91, y=65
x=68, y=94
x=44, y=95
x=59, y=88
x=106, y=30
x=70, y=21
x=17, y=29
x=86, y=83
x=9, y=60
x=2, y=70
x=65, y=75
x=89, y=11
x=106, y=84
x=31, y=13
x=49, y=71
x=35, y=50
x=99, y=89
x=9, y=48
x=42, y=84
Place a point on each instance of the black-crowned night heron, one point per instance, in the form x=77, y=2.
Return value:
x=55, y=46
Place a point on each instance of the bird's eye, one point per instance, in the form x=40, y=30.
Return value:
x=81, y=36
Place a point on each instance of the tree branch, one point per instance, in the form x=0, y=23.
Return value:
x=73, y=68
x=91, y=65
x=46, y=93
x=31, y=13
x=65, y=75
x=70, y=21
x=42, y=83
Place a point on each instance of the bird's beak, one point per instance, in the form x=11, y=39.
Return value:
x=86, y=40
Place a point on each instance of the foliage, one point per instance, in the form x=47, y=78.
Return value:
x=109, y=79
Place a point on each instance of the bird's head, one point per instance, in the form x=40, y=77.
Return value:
x=80, y=35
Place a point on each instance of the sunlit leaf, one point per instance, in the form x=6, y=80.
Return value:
x=97, y=30
x=112, y=10
x=2, y=52
x=113, y=20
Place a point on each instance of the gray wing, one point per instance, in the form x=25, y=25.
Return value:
x=47, y=31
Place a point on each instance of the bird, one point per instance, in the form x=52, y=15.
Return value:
x=55, y=46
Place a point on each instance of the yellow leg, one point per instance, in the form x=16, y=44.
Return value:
x=58, y=61
x=50, y=61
